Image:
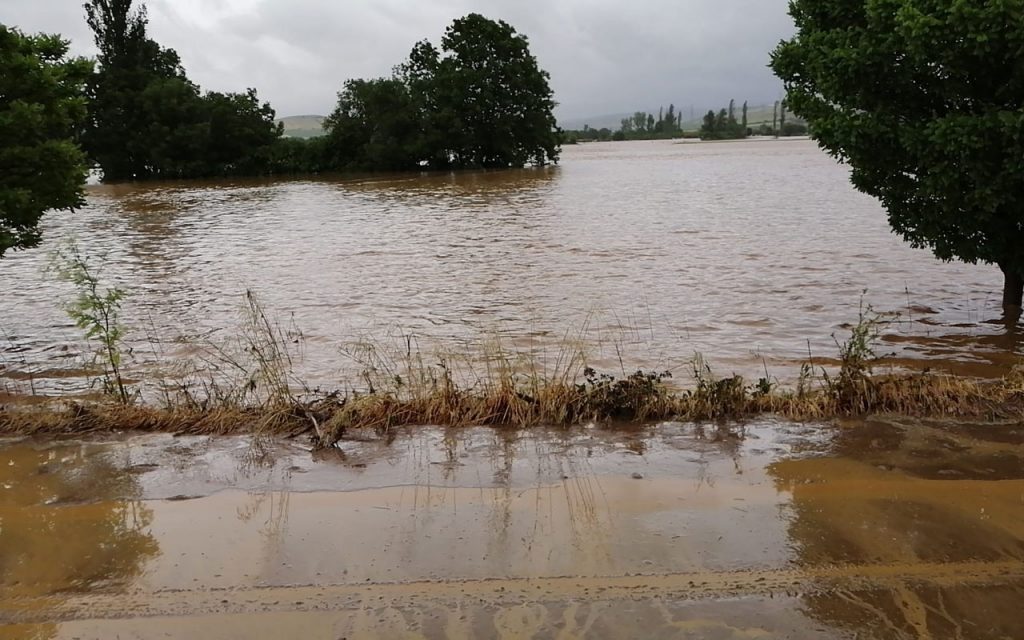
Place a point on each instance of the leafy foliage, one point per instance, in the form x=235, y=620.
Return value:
x=479, y=102
x=925, y=100
x=489, y=89
x=129, y=63
x=603, y=395
x=241, y=132
x=853, y=386
x=373, y=127
x=147, y=120
x=42, y=107
x=95, y=311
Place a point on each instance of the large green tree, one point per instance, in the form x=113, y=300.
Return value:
x=130, y=63
x=42, y=108
x=374, y=127
x=925, y=101
x=147, y=120
x=482, y=99
x=499, y=95
x=241, y=132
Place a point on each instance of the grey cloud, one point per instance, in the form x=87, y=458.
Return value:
x=604, y=57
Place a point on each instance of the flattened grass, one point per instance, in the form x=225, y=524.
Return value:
x=525, y=402
x=509, y=389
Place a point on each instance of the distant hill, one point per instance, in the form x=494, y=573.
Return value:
x=303, y=126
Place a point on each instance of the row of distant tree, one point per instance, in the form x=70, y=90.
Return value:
x=644, y=126
x=640, y=126
x=724, y=125
x=721, y=125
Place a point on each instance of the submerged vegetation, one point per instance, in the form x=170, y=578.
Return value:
x=479, y=101
x=95, y=311
x=249, y=386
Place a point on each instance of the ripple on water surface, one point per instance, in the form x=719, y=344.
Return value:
x=744, y=252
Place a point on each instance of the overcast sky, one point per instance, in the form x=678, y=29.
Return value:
x=604, y=56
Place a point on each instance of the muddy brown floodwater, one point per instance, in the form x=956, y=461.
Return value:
x=895, y=529
x=751, y=253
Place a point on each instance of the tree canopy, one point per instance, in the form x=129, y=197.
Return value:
x=925, y=101
x=374, y=127
x=147, y=120
x=480, y=101
x=42, y=107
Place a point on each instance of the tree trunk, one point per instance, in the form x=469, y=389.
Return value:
x=1013, y=289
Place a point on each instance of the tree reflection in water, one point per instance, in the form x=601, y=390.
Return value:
x=71, y=521
x=910, y=505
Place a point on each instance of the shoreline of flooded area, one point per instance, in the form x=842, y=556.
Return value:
x=889, y=528
x=480, y=302
x=640, y=254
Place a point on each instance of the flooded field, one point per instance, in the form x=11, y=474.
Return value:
x=757, y=255
x=896, y=529
x=752, y=254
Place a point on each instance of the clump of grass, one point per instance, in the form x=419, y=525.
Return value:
x=715, y=398
x=853, y=388
x=254, y=367
x=639, y=397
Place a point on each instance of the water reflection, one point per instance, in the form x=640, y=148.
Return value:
x=71, y=522
x=990, y=346
x=463, y=190
x=917, y=507
x=886, y=529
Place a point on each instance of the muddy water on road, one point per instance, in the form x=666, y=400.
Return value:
x=878, y=530
x=751, y=253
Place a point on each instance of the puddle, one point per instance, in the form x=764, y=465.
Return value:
x=879, y=530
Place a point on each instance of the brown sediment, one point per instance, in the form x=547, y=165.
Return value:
x=497, y=592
